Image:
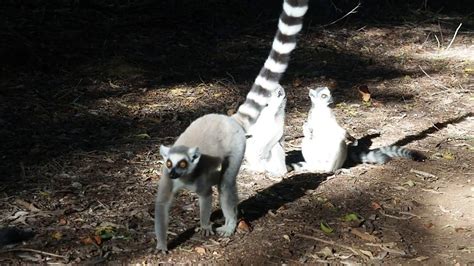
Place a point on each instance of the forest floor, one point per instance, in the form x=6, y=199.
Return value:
x=88, y=95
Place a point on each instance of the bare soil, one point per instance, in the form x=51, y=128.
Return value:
x=89, y=90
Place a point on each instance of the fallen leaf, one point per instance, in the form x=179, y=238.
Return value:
x=243, y=226
x=27, y=205
x=375, y=205
x=98, y=239
x=287, y=237
x=409, y=183
x=428, y=225
x=421, y=258
x=364, y=93
x=326, y=252
x=88, y=240
x=200, y=250
x=62, y=221
x=57, y=235
x=364, y=236
x=447, y=155
x=326, y=228
x=351, y=217
x=143, y=136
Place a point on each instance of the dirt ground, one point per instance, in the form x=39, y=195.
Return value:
x=89, y=90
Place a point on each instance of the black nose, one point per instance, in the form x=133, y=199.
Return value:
x=173, y=174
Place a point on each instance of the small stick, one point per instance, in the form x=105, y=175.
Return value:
x=434, y=81
x=394, y=217
x=454, y=37
x=35, y=251
x=424, y=174
x=341, y=18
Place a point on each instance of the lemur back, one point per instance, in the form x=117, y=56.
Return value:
x=210, y=151
x=264, y=151
x=324, y=144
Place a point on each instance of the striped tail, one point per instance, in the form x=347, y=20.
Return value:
x=267, y=81
x=385, y=154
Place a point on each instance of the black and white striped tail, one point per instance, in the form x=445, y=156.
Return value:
x=289, y=25
x=385, y=154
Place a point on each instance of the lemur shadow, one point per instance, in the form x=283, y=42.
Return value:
x=435, y=127
x=271, y=198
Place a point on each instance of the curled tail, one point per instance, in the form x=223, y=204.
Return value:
x=383, y=154
x=267, y=81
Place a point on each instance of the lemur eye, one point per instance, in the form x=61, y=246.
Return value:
x=183, y=164
x=324, y=96
x=169, y=164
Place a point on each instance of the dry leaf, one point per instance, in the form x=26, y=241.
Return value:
x=98, y=239
x=287, y=237
x=364, y=93
x=243, y=226
x=364, y=236
x=62, y=221
x=421, y=258
x=57, y=235
x=326, y=252
x=200, y=250
x=428, y=225
x=27, y=205
x=87, y=240
x=375, y=205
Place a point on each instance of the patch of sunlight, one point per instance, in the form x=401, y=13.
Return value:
x=462, y=53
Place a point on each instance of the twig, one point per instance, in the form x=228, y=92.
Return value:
x=329, y=243
x=424, y=174
x=454, y=37
x=394, y=217
x=437, y=40
x=35, y=251
x=432, y=79
x=353, y=11
x=432, y=191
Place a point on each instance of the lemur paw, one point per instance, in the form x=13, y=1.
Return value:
x=205, y=230
x=226, y=230
x=160, y=248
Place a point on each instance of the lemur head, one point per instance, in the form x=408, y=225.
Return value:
x=276, y=99
x=179, y=160
x=321, y=96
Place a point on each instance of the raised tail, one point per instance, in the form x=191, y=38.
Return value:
x=289, y=25
x=384, y=154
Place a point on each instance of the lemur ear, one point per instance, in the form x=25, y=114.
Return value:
x=312, y=93
x=194, y=154
x=164, y=151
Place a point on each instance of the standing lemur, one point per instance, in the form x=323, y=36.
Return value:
x=265, y=152
x=324, y=144
x=210, y=151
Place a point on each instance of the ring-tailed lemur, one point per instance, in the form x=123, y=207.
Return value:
x=210, y=151
x=324, y=145
x=264, y=151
